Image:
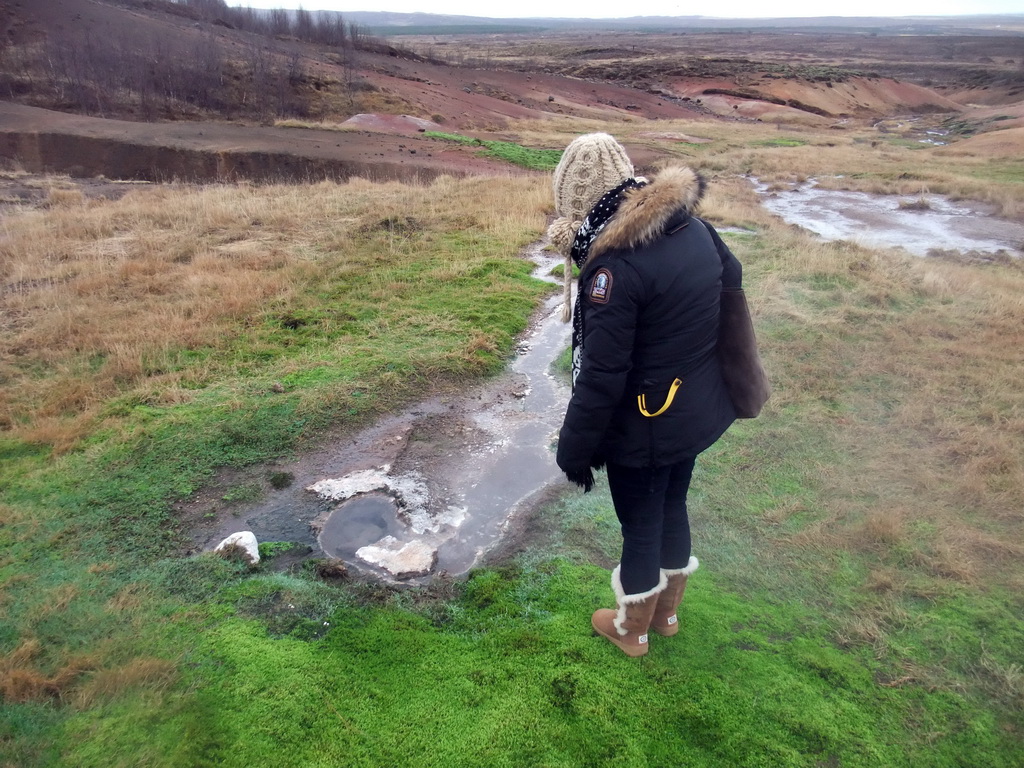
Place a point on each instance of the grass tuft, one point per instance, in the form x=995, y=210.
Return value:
x=921, y=204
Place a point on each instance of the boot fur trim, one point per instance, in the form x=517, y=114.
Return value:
x=622, y=599
x=691, y=566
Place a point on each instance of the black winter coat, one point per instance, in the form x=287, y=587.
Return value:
x=651, y=288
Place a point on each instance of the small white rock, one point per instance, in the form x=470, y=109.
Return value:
x=247, y=541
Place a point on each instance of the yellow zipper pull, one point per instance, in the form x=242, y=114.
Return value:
x=642, y=400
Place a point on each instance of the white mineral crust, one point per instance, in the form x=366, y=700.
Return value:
x=403, y=561
x=454, y=516
x=409, y=490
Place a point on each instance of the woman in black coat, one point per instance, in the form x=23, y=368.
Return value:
x=648, y=394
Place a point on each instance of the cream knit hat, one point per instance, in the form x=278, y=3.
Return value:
x=590, y=166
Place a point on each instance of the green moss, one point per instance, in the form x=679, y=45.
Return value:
x=781, y=142
x=271, y=549
x=537, y=159
x=562, y=365
x=241, y=493
x=907, y=143
x=517, y=678
x=456, y=137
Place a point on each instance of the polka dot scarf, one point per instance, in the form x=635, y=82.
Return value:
x=591, y=227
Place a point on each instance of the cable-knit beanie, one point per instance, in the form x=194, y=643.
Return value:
x=590, y=166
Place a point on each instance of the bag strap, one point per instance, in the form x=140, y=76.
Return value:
x=721, y=256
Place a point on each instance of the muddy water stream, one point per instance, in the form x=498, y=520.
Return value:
x=432, y=488
x=917, y=223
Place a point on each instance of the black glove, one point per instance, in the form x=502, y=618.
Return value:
x=577, y=468
x=584, y=478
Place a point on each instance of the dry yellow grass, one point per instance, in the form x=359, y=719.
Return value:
x=323, y=125
x=149, y=673
x=99, y=298
x=1003, y=143
x=78, y=680
x=937, y=450
x=21, y=680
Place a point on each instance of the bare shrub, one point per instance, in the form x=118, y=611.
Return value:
x=126, y=70
x=921, y=204
x=142, y=74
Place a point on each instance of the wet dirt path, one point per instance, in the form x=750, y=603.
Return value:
x=432, y=488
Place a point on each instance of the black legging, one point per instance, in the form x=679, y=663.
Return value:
x=651, y=506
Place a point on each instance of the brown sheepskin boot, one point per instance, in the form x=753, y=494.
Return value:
x=665, y=622
x=627, y=625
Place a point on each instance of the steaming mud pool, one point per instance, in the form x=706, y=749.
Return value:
x=430, y=489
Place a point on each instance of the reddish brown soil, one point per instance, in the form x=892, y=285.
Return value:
x=469, y=98
x=856, y=97
x=401, y=124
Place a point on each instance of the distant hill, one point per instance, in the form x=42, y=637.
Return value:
x=389, y=23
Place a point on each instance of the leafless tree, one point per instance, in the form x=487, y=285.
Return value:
x=280, y=23
x=304, y=27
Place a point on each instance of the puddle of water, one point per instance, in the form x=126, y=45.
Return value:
x=913, y=128
x=475, y=491
x=935, y=138
x=518, y=462
x=364, y=518
x=400, y=499
x=878, y=221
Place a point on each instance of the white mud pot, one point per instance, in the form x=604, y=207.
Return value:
x=409, y=491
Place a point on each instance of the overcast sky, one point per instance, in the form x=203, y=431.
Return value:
x=599, y=9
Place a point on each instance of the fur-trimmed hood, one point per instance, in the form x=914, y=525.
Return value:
x=645, y=212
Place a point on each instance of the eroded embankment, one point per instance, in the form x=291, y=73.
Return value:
x=43, y=141
x=87, y=156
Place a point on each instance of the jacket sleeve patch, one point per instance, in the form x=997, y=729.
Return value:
x=601, y=287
